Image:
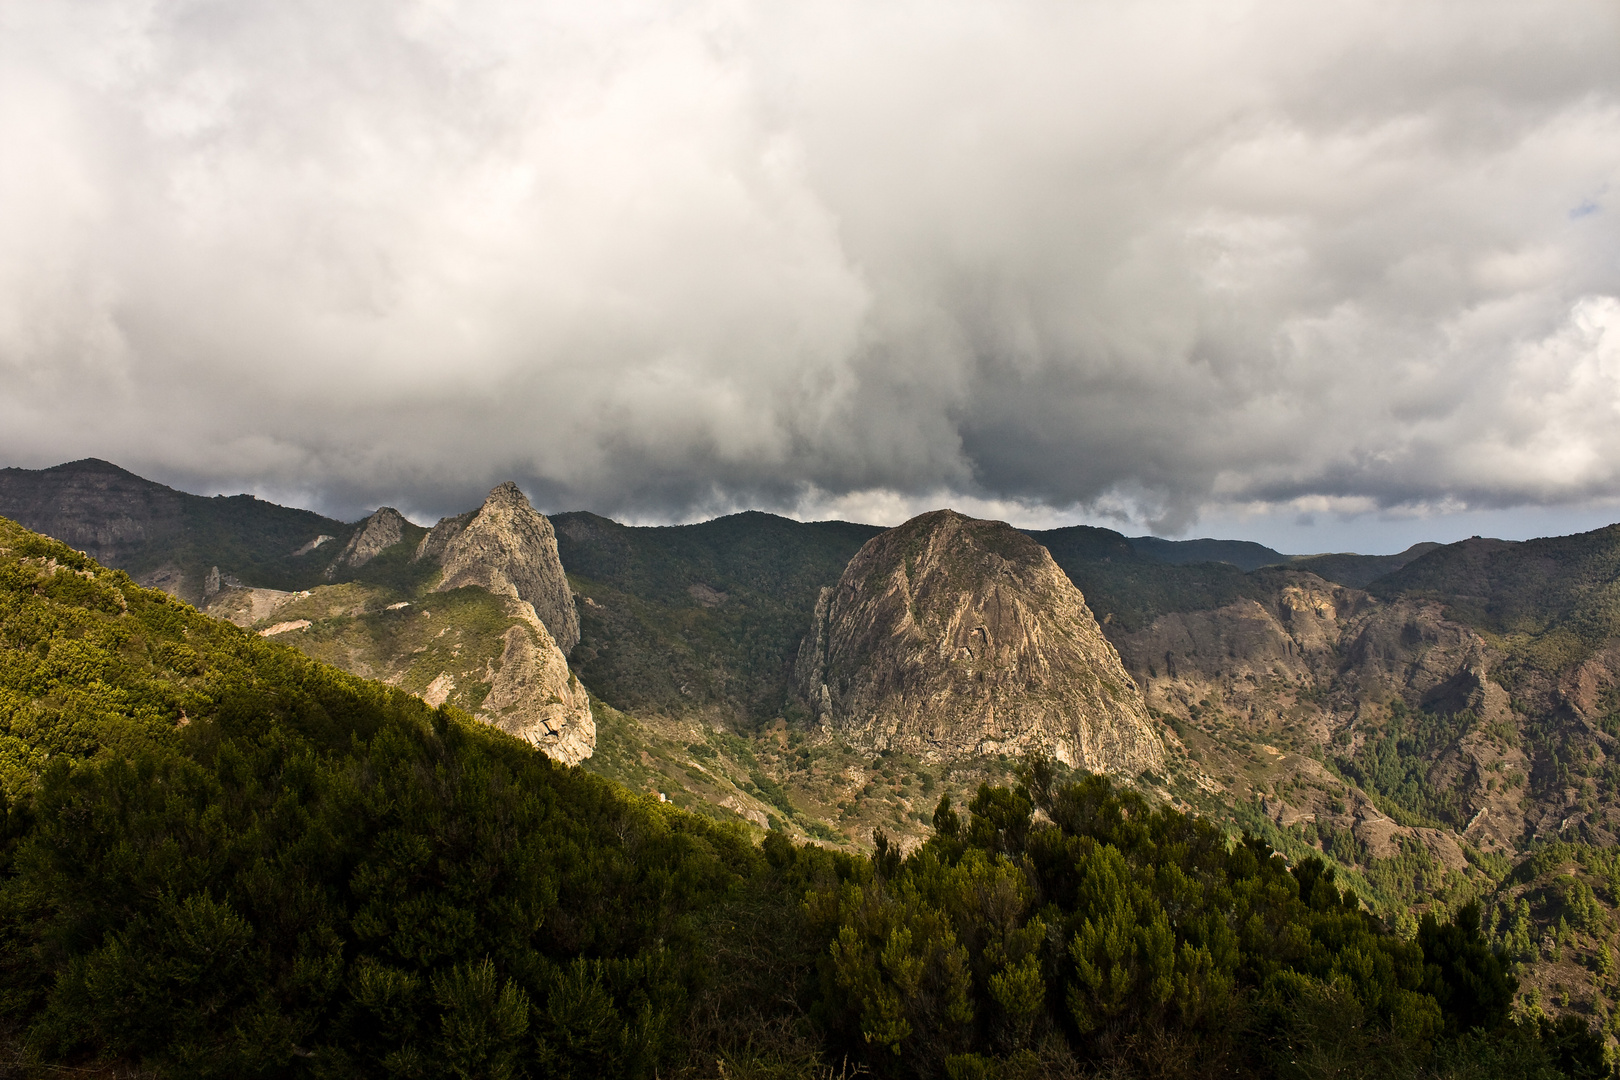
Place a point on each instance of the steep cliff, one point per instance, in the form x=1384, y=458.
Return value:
x=379, y=532
x=535, y=697
x=952, y=637
x=508, y=548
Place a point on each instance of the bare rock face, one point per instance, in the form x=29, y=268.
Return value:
x=380, y=532
x=433, y=545
x=1327, y=662
x=507, y=547
x=950, y=637
x=536, y=698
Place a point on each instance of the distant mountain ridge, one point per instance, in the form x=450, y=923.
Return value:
x=166, y=538
x=1243, y=554
x=144, y=527
x=1359, y=571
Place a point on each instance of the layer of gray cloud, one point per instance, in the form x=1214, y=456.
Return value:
x=1154, y=260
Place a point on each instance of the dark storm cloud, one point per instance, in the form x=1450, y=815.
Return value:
x=1147, y=262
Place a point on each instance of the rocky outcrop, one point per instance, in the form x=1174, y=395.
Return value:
x=1318, y=663
x=311, y=544
x=535, y=697
x=951, y=637
x=507, y=547
x=379, y=532
x=433, y=545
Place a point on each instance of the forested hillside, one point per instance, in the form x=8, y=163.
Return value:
x=223, y=859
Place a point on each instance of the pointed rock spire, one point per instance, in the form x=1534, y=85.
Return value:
x=509, y=548
x=381, y=531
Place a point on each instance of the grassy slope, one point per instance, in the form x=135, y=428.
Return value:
x=458, y=633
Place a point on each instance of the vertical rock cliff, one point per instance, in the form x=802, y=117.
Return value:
x=507, y=547
x=535, y=697
x=951, y=637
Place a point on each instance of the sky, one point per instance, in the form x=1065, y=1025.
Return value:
x=1327, y=276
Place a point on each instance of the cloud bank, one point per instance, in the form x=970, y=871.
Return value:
x=1143, y=262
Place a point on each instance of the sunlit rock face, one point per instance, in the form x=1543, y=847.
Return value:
x=509, y=548
x=379, y=532
x=950, y=637
x=536, y=698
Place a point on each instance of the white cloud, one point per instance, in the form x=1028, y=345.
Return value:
x=1147, y=262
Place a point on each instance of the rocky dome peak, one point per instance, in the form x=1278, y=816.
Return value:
x=949, y=636
x=509, y=548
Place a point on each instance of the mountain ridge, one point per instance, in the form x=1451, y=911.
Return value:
x=167, y=538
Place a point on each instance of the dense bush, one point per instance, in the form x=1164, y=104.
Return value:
x=1113, y=936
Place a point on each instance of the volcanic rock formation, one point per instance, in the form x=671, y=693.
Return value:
x=507, y=547
x=377, y=534
x=536, y=698
x=949, y=637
